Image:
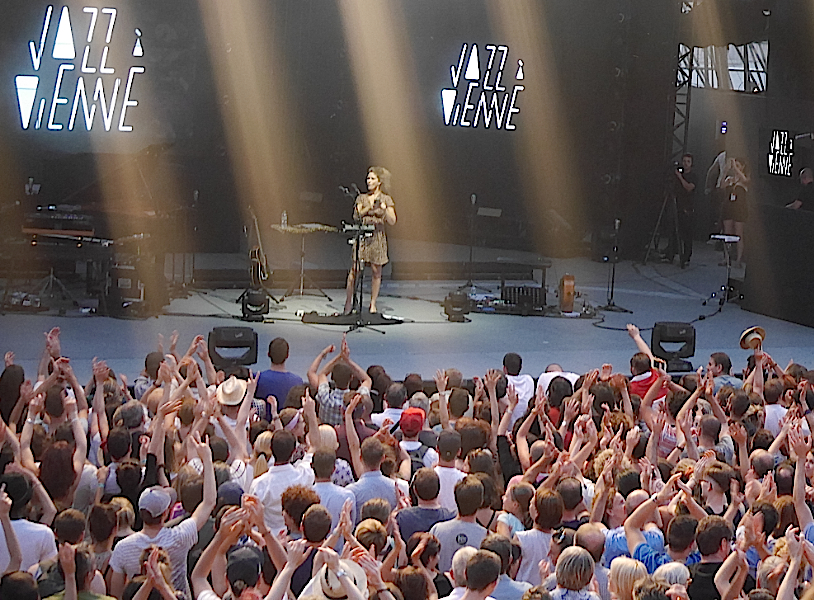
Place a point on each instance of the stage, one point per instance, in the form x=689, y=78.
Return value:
x=425, y=340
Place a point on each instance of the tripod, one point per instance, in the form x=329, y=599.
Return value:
x=470, y=286
x=50, y=284
x=614, y=258
x=654, y=242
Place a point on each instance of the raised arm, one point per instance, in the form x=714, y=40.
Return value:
x=297, y=553
x=636, y=336
x=603, y=487
x=800, y=446
x=738, y=433
x=12, y=543
x=26, y=394
x=522, y=442
x=315, y=375
x=492, y=378
x=731, y=575
x=646, y=407
x=78, y=390
x=246, y=405
x=795, y=546
x=361, y=374
x=210, y=494
x=80, y=452
x=635, y=523
x=354, y=446
x=443, y=406
x=232, y=525
x=309, y=412
x=99, y=423
x=26, y=455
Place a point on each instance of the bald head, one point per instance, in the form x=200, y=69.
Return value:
x=591, y=537
x=553, y=368
x=762, y=462
x=806, y=176
x=634, y=500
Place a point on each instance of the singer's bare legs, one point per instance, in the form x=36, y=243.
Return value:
x=349, y=289
x=375, y=285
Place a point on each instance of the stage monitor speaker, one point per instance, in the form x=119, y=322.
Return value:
x=230, y=346
x=670, y=332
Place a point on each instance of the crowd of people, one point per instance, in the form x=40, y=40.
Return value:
x=207, y=483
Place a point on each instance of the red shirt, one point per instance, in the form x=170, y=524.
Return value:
x=640, y=384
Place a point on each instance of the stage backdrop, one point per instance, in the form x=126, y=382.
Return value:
x=552, y=111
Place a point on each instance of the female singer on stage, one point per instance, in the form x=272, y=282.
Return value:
x=735, y=210
x=374, y=208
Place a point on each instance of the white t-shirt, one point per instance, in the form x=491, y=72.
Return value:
x=545, y=379
x=449, y=476
x=430, y=456
x=36, y=542
x=177, y=541
x=269, y=488
x=536, y=545
x=394, y=414
x=524, y=387
x=774, y=413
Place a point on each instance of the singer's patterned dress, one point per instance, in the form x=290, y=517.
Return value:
x=374, y=247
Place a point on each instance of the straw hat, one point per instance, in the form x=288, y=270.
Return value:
x=753, y=338
x=231, y=391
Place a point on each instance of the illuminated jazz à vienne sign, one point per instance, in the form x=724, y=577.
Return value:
x=480, y=96
x=61, y=102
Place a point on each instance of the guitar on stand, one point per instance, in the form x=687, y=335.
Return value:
x=258, y=269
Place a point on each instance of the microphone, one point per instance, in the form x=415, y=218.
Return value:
x=616, y=224
x=473, y=198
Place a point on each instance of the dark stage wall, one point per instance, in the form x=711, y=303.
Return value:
x=596, y=83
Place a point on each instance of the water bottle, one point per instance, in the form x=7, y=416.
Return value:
x=284, y=220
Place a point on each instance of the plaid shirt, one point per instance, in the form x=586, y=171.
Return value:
x=331, y=404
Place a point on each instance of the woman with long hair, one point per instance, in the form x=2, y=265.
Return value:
x=735, y=210
x=374, y=208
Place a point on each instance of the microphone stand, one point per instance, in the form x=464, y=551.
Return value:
x=470, y=284
x=614, y=258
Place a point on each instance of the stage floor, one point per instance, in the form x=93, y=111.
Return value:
x=426, y=340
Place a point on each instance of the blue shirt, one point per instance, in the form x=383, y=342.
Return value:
x=417, y=518
x=277, y=384
x=333, y=497
x=653, y=560
x=509, y=589
x=616, y=543
x=373, y=485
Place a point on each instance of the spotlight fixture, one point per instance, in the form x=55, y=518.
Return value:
x=254, y=305
x=456, y=305
x=674, y=333
x=231, y=346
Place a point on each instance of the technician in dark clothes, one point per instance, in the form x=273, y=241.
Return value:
x=805, y=194
x=686, y=182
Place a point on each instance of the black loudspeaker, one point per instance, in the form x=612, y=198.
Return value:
x=670, y=332
x=230, y=346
